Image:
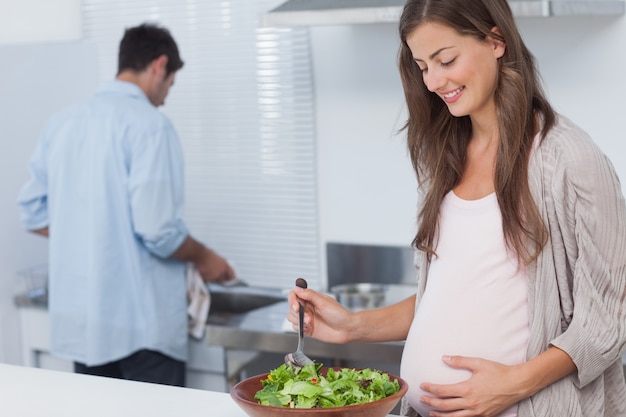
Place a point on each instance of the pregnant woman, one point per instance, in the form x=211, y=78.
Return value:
x=520, y=247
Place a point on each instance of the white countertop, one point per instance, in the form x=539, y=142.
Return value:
x=33, y=392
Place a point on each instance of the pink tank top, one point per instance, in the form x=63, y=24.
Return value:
x=475, y=303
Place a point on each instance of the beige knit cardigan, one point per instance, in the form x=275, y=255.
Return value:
x=577, y=286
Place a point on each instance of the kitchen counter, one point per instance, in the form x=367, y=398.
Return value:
x=32, y=392
x=263, y=329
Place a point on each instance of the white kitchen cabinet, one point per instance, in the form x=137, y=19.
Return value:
x=209, y=367
x=215, y=368
x=35, y=339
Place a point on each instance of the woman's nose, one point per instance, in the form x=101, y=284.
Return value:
x=433, y=80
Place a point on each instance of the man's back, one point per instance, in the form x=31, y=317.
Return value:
x=106, y=188
x=113, y=174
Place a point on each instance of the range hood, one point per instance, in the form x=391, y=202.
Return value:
x=341, y=12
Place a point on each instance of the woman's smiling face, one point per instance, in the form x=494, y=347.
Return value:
x=461, y=70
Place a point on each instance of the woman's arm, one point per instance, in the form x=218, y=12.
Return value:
x=327, y=320
x=592, y=214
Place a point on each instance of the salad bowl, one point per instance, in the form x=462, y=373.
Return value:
x=243, y=393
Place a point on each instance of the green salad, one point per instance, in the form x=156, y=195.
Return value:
x=305, y=387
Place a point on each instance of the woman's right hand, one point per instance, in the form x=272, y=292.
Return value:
x=324, y=319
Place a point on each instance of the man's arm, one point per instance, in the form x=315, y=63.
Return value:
x=209, y=264
x=42, y=232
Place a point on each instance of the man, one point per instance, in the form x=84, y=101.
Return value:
x=107, y=189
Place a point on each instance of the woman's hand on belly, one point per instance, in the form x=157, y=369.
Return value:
x=492, y=389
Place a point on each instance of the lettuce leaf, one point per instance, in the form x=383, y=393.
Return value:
x=305, y=387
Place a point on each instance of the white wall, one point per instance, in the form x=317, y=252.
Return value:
x=367, y=188
x=28, y=21
x=583, y=64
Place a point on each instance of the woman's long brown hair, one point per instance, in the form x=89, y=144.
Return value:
x=437, y=141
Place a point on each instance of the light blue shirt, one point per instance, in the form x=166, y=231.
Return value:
x=107, y=180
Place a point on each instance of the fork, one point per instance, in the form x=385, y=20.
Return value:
x=298, y=358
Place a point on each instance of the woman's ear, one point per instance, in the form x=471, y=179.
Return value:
x=497, y=40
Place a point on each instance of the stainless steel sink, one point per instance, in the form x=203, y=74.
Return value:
x=241, y=299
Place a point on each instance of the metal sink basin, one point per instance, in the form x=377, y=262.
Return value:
x=241, y=299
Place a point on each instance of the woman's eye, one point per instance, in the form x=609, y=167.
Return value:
x=419, y=66
x=448, y=63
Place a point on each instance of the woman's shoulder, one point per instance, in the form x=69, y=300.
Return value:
x=566, y=133
x=568, y=143
x=570, y=158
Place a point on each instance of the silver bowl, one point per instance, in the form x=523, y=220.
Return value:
x=360, y=296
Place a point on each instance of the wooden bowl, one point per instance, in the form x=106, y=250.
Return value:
x=244, y=391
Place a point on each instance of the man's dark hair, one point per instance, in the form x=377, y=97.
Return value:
x=143, y=44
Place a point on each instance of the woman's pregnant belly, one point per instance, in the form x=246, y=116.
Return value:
x=478, y=318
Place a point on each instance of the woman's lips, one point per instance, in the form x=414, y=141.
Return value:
x=452, y=96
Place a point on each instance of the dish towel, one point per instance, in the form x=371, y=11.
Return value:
x=199, y=301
